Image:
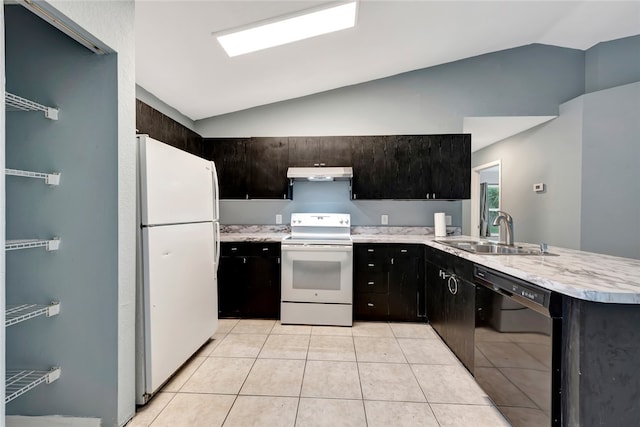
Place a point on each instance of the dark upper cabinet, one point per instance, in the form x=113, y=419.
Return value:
x=269, y=160
x=250, y=168
x=231, y=156
x=447, y=162
x=320, y=151
x=384, y=167
x=368, y=158
x=412, y=167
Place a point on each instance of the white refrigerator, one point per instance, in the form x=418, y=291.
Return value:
x=178, y=254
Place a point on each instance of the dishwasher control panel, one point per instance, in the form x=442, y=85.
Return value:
x=512, y=286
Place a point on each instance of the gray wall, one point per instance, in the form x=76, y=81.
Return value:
x=610, y=172
x=47, y=66
x=613, y=63
x=548, y=153
x=588, y=157
x=530, y=80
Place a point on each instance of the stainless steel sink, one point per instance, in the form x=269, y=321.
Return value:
x=490, y=248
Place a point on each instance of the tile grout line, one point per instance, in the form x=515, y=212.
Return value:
x=304, y=371
x=245, y=379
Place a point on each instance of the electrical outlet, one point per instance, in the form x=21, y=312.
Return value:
x=447, y=219
x=384, y=219
x=278, y=219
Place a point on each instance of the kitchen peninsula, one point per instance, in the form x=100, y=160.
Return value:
x=600, y=311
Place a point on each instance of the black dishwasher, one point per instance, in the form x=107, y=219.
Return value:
x=517, y=347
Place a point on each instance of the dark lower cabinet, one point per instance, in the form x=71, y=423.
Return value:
x=389, y=282
x=451, y=302
x=249, y=280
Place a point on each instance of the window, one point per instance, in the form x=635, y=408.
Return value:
x=493, y=200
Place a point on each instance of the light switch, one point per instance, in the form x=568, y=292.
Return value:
x=278, y=219
x=538, y=188
x=447, y=219
x=384, y=219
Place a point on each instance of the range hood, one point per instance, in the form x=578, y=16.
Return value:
x=320, y=174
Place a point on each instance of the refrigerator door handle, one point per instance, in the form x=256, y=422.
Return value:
x=216, y=192
x=217, y=238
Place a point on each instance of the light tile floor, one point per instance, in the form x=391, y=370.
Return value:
x=262, y=373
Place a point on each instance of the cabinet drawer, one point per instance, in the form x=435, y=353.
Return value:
x=371, y=283
x=411, y=251
x=371, y=306
x=265, y=249
x=249, y=249
x=370, y=251
x=234, y=249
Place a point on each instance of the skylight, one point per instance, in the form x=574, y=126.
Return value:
x=289, y=29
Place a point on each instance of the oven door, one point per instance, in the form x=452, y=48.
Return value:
x=317, y=273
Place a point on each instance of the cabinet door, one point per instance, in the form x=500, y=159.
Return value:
x=369, y=159
x=263, y=293
x=231, y=157
x=335, y=151
x=449, y=163
x=460, y=167
x=435, y=288
x=460, y=318
x=269, y=159
x=232, y=286
x=406, y=282
x=304, y=151
x=405, y=173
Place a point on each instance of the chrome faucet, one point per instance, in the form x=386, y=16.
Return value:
x=507, y=239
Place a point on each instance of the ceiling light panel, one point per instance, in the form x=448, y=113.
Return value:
x=288, y=30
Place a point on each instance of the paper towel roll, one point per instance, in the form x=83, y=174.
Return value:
x=440, y=225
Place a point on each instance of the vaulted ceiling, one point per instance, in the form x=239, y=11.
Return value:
x=179, y=60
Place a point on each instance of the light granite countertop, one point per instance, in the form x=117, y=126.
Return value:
x=583, y=275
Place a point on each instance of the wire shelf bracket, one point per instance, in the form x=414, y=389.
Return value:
x=17, y=103
x=50, y=245
x=49, y=178
x=16, y=313
x=18, y=382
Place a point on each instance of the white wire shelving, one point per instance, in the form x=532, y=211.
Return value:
x=18, y=382
x=18, y=103
x=49, y=178
x=16, y=313
x=49, y=245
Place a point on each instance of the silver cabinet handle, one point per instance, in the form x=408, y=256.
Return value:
x=371, y=265
x=370, y=304
x=371, y=250
x=371, y=283
x=452, y=288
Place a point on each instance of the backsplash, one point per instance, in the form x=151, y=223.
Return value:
x=334, y=197
x=365, y=230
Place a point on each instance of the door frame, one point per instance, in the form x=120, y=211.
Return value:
x=475, y=194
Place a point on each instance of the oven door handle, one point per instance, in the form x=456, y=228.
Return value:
x=317, y=248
